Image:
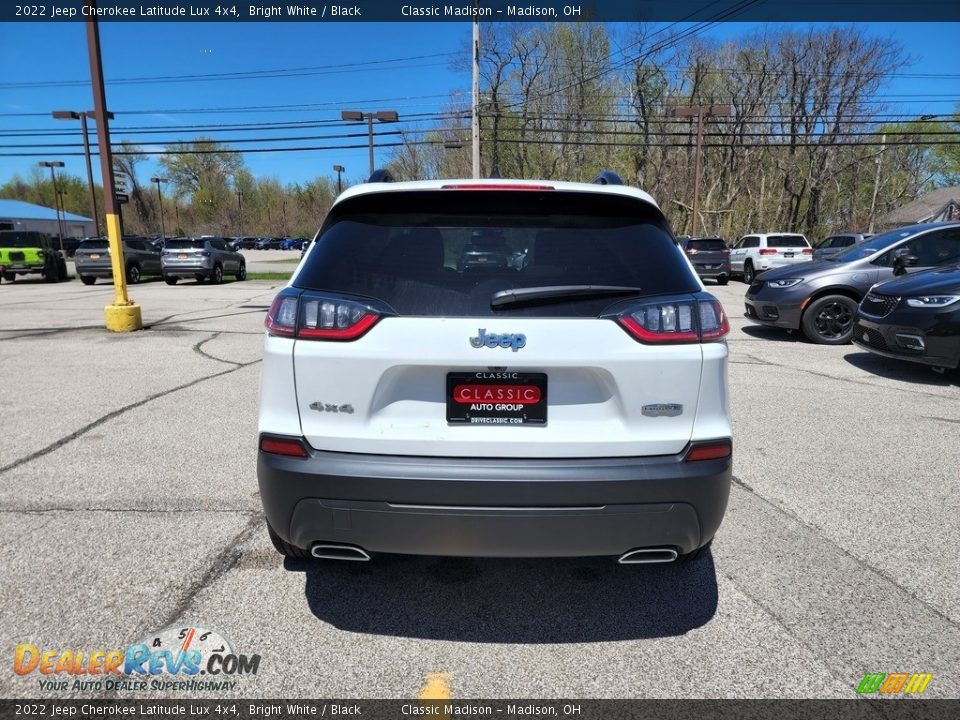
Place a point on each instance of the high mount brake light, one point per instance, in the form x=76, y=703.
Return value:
x=495, y=186
x=676, y=321
x=310, y=316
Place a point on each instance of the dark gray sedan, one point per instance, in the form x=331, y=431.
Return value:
x=203, y=258
x=821, y=298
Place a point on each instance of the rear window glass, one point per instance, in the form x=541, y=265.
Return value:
x=451, y=260
x=184, y=244
x=21, y=240
x=706, y=245
x=779, y=241
x=101, y=244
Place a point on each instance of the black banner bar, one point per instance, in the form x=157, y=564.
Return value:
x=246, y=709
x=227, y=11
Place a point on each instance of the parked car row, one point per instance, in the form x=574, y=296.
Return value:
x=860, y=294
x=203, y=258
x=267, y=243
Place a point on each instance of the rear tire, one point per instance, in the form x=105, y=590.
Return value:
x=87, y=280
x=52, y=272
x=200, y=278
x=9, y=277
x=748, y=273
x=285, y=548
x=170, y=280
x=216, y=277
x=722, y=280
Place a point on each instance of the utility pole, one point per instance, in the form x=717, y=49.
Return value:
x=158, y=180
x=123, y=315
x=240, y=206
x=876, y=180
x=476, y=90
x=700, y=112
x=56, y=195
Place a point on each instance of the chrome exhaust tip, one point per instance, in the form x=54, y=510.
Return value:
x=328, y=551
x=644, y=556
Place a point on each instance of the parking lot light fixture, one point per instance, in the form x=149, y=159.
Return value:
x=82, y=117
x=158, y=180
x=339, y=169
x=380, y=115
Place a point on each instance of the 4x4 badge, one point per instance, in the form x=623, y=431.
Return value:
x=504, y=340
x=662, y=410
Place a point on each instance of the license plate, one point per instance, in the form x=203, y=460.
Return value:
x=496, y=398
x=94, y=256
x=788, y=254
x=181, y=257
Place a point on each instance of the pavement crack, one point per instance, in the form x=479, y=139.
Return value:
x=198, y=348
x=846, y=553
x=219, y=565
x=940, y=419
x=57, y=444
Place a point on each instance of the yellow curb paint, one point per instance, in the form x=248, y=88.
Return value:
x=436, y=686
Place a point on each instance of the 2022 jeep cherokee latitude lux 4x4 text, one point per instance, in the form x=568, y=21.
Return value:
x=569, y=402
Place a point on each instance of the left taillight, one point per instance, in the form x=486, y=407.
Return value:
x=315, y=316
x=289, y=447
x=675, y=321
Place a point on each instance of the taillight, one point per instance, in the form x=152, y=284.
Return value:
x=808, y=251
x=308, y=316
x=676, y=321
x=290, y=447
x=691, y=251
x=768, y=251
x=726, y=251
x=709, y=450
x=495, y=186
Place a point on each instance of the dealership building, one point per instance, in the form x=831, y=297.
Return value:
x=19, y=215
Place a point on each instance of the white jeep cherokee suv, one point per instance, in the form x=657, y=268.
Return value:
x=498, y=368
x=752, y=254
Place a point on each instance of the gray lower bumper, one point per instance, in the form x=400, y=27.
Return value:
x=182, y=271
x=494, y=508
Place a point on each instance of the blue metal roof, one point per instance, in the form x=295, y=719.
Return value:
x=21, y=210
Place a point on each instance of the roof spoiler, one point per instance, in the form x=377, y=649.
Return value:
x=607, y=177
x=381, y=175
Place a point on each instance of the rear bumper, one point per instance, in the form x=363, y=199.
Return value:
x=494, y=507
x=186, y=270
x=97, y=271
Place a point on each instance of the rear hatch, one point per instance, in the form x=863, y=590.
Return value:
x=708, y=253
x=92, y=255
x=588, y=347
x=184, y=251
x=790, y=247
x=20, y=249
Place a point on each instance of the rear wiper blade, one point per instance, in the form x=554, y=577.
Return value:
x=557, y=292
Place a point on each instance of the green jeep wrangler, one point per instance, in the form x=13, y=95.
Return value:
x=30, y=252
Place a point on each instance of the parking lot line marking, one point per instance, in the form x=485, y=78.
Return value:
x=436, y=686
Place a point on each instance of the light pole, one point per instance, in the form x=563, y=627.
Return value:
x=240, y=205
x=158, y=180
x=56, y=195
x=339, y=169
x=700, y=112
x=381, y=115
x=82, y=117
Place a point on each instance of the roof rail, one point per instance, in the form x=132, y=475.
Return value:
x=607, y=177
x=381, y=175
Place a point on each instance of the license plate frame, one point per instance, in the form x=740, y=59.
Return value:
x=510, y=409
x=789, y=254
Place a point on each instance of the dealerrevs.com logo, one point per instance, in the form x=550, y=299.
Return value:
x=888, y=684
x=174, y=659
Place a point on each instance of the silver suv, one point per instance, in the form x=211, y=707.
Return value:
x=573, y=404
x=92, y=259
x=203, y=258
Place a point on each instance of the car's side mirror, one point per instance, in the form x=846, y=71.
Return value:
x=902, y=259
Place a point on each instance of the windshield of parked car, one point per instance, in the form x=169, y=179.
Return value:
x=185, y=244
x=19, y=240
x=781, y=241
x=706, y=245
x=869, y=247
x=415, y=261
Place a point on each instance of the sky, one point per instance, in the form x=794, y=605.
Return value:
x=412, y=68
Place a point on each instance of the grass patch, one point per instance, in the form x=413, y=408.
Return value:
x=284, y=261
x=269, y=275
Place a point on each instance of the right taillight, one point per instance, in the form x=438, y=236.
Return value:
x=310, y=316
x=709, y=450
x=676, y=321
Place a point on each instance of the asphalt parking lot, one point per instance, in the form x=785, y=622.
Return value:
x=129, y=503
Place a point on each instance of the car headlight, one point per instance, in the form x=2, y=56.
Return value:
x=784, y=283
x=932, y=301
